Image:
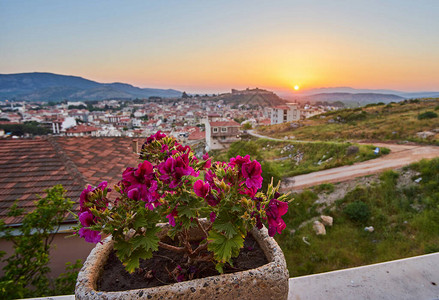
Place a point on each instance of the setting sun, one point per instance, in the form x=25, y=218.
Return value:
x=296, y=87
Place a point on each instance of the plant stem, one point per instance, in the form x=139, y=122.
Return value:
x=202, y=228
x=172, y=248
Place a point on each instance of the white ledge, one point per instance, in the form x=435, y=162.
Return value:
x=409, y=278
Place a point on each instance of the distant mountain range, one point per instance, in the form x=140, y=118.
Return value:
x=54, y=87
x=351, y=100
x=350, y=90
x=355, y=97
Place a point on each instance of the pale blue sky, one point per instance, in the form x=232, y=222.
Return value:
x=217, y=45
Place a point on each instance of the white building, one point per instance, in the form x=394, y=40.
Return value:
x=221, y=133
x=67, y=123
x=285, y=113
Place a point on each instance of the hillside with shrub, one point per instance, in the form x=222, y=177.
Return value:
x=280, y=159
x=410, y=120
x=375, y=219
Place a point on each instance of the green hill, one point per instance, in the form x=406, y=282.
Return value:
x=251, y=97
x=409, y=120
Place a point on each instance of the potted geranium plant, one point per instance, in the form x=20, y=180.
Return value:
x=171, y=184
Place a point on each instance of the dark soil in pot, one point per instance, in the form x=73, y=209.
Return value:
x=163, y=268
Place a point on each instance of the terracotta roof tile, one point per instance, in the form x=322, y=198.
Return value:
x=29, y=166
x=225, y=123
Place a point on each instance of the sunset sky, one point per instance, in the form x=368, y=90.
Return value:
x=212, y=46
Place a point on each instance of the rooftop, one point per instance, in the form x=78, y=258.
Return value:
x=29, y=166
x=81, y=128
x=225, y=123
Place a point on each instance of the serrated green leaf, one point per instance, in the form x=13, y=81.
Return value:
x=236, y=208
x=219, y=267
x=227, y=228
x=123, y=249
x=172, y=232
x=140, y=221
x=186, y=210
x=224, y=248
x=148, y=241
x=132, y=262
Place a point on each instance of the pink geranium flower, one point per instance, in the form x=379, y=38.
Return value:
x=171, y=217
x=252, y=172
x=276, y=209
x=90, y=236
x=201, y=188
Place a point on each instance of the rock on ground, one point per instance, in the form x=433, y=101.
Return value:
x=319, y=228
x=326, y=220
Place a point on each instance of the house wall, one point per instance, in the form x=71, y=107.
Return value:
x=64, y=249
x=221, y=139
x=208, y=135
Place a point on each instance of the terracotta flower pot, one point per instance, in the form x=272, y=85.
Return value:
x=269, y=281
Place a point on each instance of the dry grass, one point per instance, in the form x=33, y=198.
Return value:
x=392, y=122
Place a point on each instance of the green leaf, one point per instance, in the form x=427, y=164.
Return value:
x=148, y=241
x=236, y=208
x=133, y=261
x=185, y=210
x=227, y=228
x=140, y=221
x=224, y=248
x=123, y=249
x=219, y=267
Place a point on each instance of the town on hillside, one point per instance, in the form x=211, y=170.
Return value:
x=215, y=120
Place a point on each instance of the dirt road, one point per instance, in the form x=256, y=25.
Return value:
x=400, y=155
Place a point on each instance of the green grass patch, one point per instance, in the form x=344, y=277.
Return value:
x=378, y=122
x=405, y=221
x=427, y=115
x=281, y=159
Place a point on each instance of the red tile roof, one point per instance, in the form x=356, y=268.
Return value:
x=197, y=135
x=81, y=128
x=265, y=122
x=225, y=123
x=29, y=166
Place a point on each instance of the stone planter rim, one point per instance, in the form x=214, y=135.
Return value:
x=276, y=269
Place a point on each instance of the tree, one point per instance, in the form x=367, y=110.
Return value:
x=25, y=273
x=185, y=96
x=30, y=127
x=247, y=126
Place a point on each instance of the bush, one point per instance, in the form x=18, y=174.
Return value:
x=427, y=115
x=374, y=104
x=25, y=270
x=385, y=151
x=357, y=211
x=324, y=187
x=244, y=148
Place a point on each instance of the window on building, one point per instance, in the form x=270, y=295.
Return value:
x=215, y=129
x=223, y=129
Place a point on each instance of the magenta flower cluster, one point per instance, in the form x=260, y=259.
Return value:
x=276, y=209
x=249, y=177
x=168, y=179
x=86, y=218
